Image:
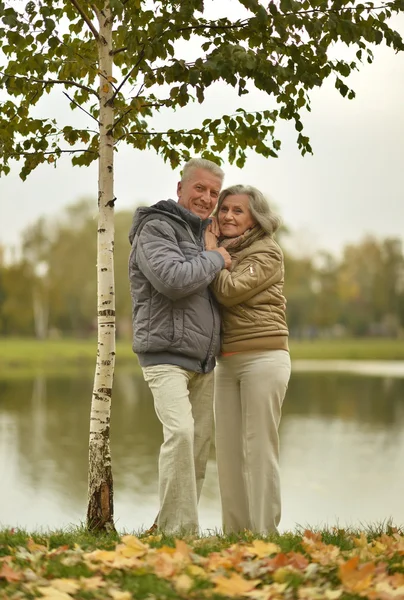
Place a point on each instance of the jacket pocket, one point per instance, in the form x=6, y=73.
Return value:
x=250, y=268
x=178, y=326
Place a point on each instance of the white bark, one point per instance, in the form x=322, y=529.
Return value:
x=100, y=486
x=41, y=314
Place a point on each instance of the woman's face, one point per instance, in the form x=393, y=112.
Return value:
x=234, y=215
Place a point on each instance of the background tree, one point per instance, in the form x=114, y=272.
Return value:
x=283, y=48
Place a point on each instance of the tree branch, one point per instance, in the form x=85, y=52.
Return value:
x=52, y=82
x=120, y=118
x=85, y=18
x=244, y=22
x=81, y=108
x=125, y=79
x=118, y=50
x=58, y=151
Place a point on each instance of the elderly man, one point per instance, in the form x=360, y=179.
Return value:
x=176, y=331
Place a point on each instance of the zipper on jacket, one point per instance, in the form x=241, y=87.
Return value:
x=213, y=338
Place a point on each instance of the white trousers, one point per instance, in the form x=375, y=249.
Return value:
x=249, y=392
x=183, y=401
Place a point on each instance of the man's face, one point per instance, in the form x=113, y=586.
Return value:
x=199, y=192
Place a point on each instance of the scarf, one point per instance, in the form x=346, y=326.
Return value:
x=244, y=240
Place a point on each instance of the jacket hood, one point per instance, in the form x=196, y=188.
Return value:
x=168, y=208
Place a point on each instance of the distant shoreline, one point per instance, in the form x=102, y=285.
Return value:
x=17, y=354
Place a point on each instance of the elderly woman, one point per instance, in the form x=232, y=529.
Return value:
x=254, y=367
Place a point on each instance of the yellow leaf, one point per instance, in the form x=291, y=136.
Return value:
x=166, y=550
x=33, y=546
x=197, y=571
x=262, y=549
x=154, y=538
x=131, y=546
x=51, y=593
x=70, y=586
x=105, y=88
x=133, y=542
x=119, y=595
x=268, y=592
x=183, y=583
x=333, y=594
x=235, y=585
x=101, y=555
x=92, y=583
x=361, y=541
x=281, y=574
x=112, y=79
x=310, y=593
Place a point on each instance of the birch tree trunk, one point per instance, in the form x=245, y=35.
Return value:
x=100, y=484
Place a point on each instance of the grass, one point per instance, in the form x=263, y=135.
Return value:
x=72, y=354
x=348, y=349
x=326, y=564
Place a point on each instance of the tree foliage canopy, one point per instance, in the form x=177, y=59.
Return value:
x=284, y=48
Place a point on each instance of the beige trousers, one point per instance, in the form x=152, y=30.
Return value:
x=249, y=392
x=183, y=401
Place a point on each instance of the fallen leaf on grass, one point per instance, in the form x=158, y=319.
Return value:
x=70, y=586
x=153, y=538
x=92, y=583
x=197, y=571
x=163, y=565
x=318, y=593
x=30, y=575
x=51, y=593
x=132, y=546
x=234, y=586
x=356, y=577
x=385, y=591
x=105, y=560
x=8, y=573
x=268, y=592
x=333, y=594
x=119, y=595
x=58, y=550
x=34, y=547
x=100, y=556
x=183, y=550
x=261, y=549
x=324, y=554
x=183, y=583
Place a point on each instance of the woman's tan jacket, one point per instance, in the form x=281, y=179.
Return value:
x=251, y=298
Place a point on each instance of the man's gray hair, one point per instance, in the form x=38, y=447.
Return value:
x=258, y=205
x=201, y=163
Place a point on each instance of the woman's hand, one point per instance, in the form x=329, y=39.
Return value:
x=210, y=240
x=214, y=226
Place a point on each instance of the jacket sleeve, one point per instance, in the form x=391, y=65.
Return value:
x=161, y=260
x=249, y=277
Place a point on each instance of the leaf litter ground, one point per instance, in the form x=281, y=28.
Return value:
x=310, y=565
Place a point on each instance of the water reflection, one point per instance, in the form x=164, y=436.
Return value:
x=342, y=451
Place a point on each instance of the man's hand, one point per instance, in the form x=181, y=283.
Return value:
x=226, y=256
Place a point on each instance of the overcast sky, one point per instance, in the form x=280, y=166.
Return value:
x=352, y=186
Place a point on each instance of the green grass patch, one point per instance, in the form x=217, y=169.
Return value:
x=27, y=356
x=348, y=349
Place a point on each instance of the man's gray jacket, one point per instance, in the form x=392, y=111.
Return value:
x=175, y=318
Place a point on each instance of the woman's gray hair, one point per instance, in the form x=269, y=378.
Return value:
x=201, y=163
x=258, y=205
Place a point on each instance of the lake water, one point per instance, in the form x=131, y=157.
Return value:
x=342, y=445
